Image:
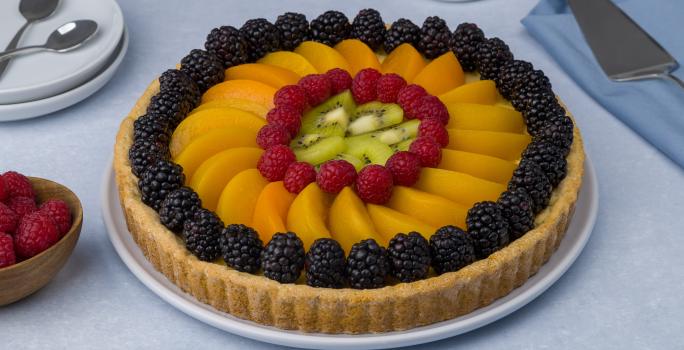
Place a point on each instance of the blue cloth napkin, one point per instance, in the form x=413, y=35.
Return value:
x=652, y=108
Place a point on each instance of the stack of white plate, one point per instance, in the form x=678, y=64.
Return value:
x=45, y=82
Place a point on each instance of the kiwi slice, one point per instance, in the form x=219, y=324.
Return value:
x=318, y=152
x=356, y=162
x=330, y=118
x=402, y=146
x=306, y=140
x=374, y=116
x=398, y=133
x=368, y=149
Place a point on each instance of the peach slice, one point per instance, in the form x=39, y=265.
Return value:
x=458, y=187
x=349, y=220
x=432, y=209
x=502, y=145
x=404, y=60
x=265, y=73
x=270, y=210
x=238, y=199
x=243, y=89
x=215, y=141
x=237, y=103
x=472, y=116
x=210, y=119
x=479, y=165
x=444, y=73
x=289, y=60
x=308, y=214
x=358, y=54
x=322, y=57
x=481, y=92
x=217, y=171
x=389, y=222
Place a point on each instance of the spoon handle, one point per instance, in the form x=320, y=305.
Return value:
x=6, y=55
x=13, y=45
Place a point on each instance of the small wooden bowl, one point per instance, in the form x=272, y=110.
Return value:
x=22, y=279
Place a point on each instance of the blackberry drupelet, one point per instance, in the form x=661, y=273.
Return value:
x=537, y=108
x=550, y=159
x=171, y=105
x=558, y=131
x=151, y=127
x=201, y=235
x=241, y=248
x=325, y=264
x=175, y=80
x=369, y=27
x=531, y=177
x=467, y=37
x=330, y=28
x=516, y=208
x=435, y=37
x=367, y=265
x=409, y=256
x=510, y=75
x=403, y=31
x=487, y=227
x=283, y=257
x=530, y=82
x=204, y=68
x=180, y=205
x=492, y=54
x=158, y=180
x=227, y=45
x=145, y=152
x=294, y=29
x=451, y=249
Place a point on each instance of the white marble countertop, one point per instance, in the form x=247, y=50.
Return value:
x=623, y=292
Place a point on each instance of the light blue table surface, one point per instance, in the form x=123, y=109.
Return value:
x=626, y=290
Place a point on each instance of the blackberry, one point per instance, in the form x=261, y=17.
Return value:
x=171, y=105
x=227, y=45
x=558, y=131
x=294, y=29
x=151, y=127
x=241, y=248
x=367, y=265
x=487, y=227
x=409, y=256
x=175, y=80
x=330, y=28
x=550, y=159
x=451, y=249
x=467, y=37
x=180, y=205
x=261, y=36
x=201, y=235
x=531, y=177
x=530, y=82
x=325, y=264
x=403, y=31
x=369, y=27
x=145, y=152
x=510, y=75
x=283, y=257
x=492, y=55
x=158, y=180
x=435, y=37
x=516, y=208
x=537, y=108
x=204, y=68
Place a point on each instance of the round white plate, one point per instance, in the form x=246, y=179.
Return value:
x=48, y=105
x=575, y=239
x=41, y=75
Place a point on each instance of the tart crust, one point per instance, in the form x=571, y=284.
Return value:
x=300, y=307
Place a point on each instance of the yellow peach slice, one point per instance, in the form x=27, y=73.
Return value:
x=444, y=73
x=243, y=89
x=238, y=199
x=458, y=187
x=265, y=73
x=213, y=175
x=349, y=220
x=502, y=145
x=270, y=210
x=237, y=103
x=389, y=222
x=472, y=116
x=479, y=165
x=404, y=60
x=289, y=60
x=481, y=92
x=322, y=57
x=430, y=208
x=308, y=214
x=358, y=54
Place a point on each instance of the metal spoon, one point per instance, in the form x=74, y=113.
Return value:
x=32, y=10
x=65, y=38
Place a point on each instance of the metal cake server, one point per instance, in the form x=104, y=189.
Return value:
x=65, y=38
x=622, y=48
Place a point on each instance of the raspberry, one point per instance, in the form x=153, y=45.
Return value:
x=374, y=184
x=364, y=85
x=434, y=129
x=298, y=176
x=36, y=232
x=317, y=88
x=292, y=96
x=409, y=99
x=59, y=211
x=7, y=256
x=432, y=107
x=17, y=185
x=274, y=162
x=389, y=86
x=405, y=168
x=271, y=135
x=428, y=150
x=8, y=219
x=340, y=80
x=334, y=175
x=4, y=193
x=22, y=206
x=286, y=117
